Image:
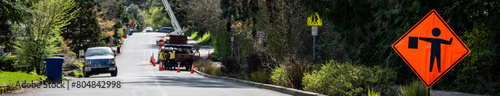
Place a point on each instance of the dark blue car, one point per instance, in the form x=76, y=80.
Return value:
x=164, y=29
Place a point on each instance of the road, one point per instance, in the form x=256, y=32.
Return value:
x=139, y=78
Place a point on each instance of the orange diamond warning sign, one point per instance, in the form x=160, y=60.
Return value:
x=430, y=48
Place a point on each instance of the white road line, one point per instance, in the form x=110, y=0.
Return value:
x=156, y=81
x=154, y=76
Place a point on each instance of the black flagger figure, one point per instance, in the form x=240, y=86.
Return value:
x=436, y=47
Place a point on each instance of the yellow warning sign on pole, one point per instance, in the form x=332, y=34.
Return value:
x=314, y=20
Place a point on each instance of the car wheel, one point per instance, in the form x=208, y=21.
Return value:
x=114, y=73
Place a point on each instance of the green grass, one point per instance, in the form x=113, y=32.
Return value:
x=7, y=78
x=205, y=37
x=78, y=74
x=194, y=36
x=416, y=88
x=200, y=38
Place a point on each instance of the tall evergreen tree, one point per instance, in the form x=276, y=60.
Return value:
x=84, y=31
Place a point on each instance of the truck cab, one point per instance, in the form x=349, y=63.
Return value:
x=99, y=60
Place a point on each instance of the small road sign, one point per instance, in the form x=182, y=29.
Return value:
x=314, y=20
x=261, y=36
x=430, y=48
x=124, y=36
x=314, y=30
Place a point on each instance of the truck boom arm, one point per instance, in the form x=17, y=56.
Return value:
x=175, y=24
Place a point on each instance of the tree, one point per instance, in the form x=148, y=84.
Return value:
x=205, y=14
x=156, y=17
x=134, y=12
x=84, y=31
x=41, y=36
x=10, y=12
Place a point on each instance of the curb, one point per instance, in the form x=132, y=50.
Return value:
x=10, y=87
x=291, y=91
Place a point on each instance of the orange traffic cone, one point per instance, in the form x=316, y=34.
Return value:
x=178, y=67
x=208, y=54
x=161, y=67
x=199, y=55
x=152, y=60
x=192, y=68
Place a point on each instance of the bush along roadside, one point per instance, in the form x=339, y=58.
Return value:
x=416, y=88
x=207, y=66
x=335, y=78
x=14, y=80
x=290, y=72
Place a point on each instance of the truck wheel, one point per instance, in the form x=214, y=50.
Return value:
x=114, y=73
x=85, y=74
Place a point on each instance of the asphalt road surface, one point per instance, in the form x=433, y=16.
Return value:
x=139, y=78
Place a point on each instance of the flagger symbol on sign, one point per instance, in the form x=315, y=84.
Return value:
x=435, y=47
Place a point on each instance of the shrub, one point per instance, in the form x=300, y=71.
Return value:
x=75, y=64
x=346, y=78
x=231, y=65
x=295, y=70
x=202, y=64
x=416, y=88
x=254, y=61
x=259, y=76
x=214, y=70
x=206, y=66
x=291, y=72
x=260, y=61
x=280, y=77
x=241, y=75
x=78, y=73
x=6, y=63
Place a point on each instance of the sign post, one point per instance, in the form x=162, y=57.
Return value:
x=430, y=48
x=232, y=44
x=314, y=21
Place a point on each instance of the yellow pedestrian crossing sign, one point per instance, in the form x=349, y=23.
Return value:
x=314, y=20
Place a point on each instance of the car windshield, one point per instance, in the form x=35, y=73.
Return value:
x=97, y=52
